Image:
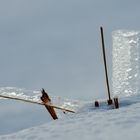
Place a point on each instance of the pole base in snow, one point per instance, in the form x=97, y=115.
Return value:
x=109, y=102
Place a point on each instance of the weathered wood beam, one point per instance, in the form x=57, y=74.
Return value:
x=46, y=99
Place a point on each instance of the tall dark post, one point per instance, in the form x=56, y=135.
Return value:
x=105, y=66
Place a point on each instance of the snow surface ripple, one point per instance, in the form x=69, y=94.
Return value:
x=125, y=71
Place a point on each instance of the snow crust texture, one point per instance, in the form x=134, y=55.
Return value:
x=125, y=62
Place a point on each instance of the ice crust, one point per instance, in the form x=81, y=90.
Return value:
x=125, y=62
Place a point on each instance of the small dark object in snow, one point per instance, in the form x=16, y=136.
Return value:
x=96, y=104
x=116, y=103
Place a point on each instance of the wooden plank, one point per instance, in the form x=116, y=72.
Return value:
x=46, y=99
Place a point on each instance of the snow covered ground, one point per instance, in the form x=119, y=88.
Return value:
x=88, y=123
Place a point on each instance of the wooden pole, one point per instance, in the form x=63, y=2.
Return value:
x=105, y=66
